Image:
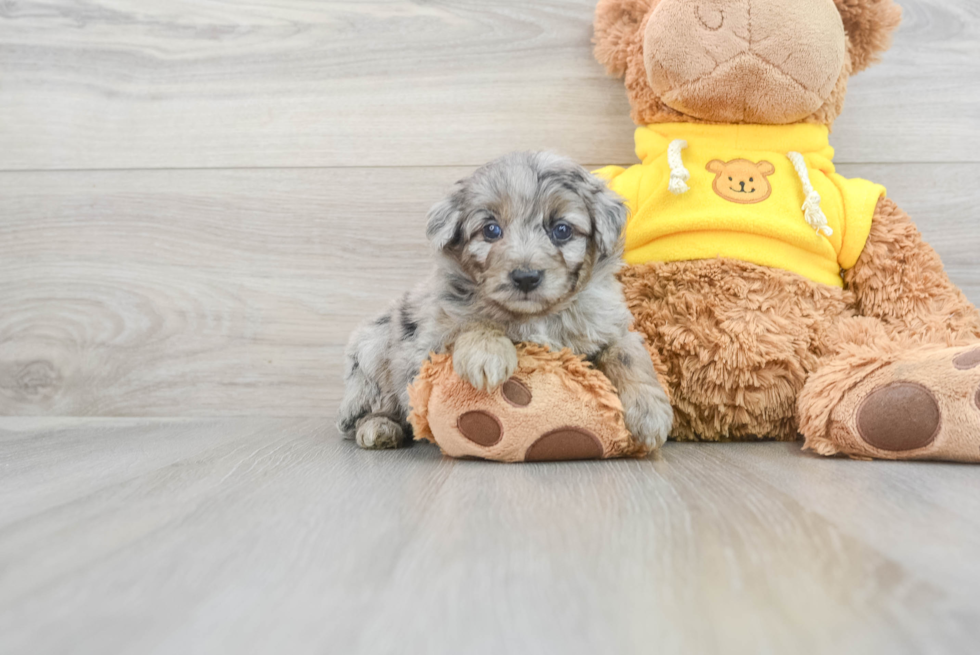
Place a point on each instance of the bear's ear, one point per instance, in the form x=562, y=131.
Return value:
x=766, y=168
x=869, y=25
x=616, y=23
x=716, y=166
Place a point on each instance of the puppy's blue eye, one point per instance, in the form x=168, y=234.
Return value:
x=562, y=231
x=492, y=232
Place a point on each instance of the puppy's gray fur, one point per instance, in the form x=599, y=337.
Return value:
x=471, y=302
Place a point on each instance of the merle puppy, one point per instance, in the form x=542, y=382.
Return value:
x=527, y=250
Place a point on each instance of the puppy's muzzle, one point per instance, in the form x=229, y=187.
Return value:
x=526, y=280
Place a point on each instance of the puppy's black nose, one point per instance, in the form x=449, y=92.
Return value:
x=526, y=280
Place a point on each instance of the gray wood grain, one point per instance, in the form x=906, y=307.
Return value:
x=131, y=84
x=205, y=293
x=272, y=535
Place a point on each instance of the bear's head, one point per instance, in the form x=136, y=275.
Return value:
x=768, y=62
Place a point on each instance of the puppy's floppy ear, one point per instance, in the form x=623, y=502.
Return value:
x=616, y=25
x=609, y=214
x=869, y=25
x=444, y=226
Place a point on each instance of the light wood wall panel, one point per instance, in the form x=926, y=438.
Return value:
x=232, y=292
x=199, y=200
x=215, y=83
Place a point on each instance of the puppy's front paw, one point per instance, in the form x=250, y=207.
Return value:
x=648, y=415
x=484, y=360
x=380, y=433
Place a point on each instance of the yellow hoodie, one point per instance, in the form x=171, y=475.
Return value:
x=765, y=194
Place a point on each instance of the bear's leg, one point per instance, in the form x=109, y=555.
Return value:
x=900, y=382
x=888, y=398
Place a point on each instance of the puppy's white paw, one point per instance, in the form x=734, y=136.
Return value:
x=380, y=433
x=486, y=361
x=649, y=416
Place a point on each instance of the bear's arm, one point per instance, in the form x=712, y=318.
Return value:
x=899, y=279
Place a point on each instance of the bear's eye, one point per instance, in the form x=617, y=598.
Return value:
x=729, y=179
x=751, y=179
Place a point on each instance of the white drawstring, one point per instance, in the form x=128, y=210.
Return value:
x=811, y=207
x=678, y=174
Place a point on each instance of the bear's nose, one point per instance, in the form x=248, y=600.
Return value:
x=526, y=280
x=743, y=185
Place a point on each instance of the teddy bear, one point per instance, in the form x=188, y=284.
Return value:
x=778, y=298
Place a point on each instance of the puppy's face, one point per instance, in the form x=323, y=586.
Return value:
x=527, y=230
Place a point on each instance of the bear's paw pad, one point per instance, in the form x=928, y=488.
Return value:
x=968, y=360
x=482, y=428
x=899, y=416
x=564, y=444
x=516, y=393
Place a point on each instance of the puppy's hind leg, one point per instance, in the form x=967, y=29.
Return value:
x=370, y=411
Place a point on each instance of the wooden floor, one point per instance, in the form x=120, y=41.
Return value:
x=271, y=535
x=199, y=199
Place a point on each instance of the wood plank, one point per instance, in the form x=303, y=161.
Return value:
x=202, y=293
x=260, y=535
x=115, y=285
x=209, y=83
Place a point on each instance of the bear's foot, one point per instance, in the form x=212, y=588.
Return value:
x=509, y=432
x=555, y=408
x=925, y=405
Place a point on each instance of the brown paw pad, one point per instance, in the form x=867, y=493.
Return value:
x=967, y=360
x=516, y=393
x=976, y=399
x=481, y=428
x=899, y=416
x=564, y=444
